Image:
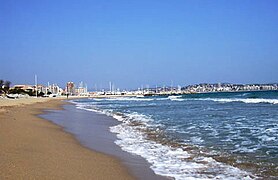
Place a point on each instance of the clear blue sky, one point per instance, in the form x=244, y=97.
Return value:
x=134, y=43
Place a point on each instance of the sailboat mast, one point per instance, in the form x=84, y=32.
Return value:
x=36, y=84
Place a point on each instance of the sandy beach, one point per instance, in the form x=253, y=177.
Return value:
x=33, y=148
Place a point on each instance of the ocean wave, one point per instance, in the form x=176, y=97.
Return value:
x=243, y=94
x=175, y=98
x=123, y=99
x=242, y=149
x=267, y=138
x=166, y=160
x=86, y=107
x=248, y=100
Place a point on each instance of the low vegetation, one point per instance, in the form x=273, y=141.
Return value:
x=4, y=86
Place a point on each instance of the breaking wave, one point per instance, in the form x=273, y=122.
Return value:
x=248, y=100
x=165, y=160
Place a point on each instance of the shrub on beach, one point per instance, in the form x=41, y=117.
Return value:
x=4, y=86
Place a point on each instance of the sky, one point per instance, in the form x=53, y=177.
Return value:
x=139, y=43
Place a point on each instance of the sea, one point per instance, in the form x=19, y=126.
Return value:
x=227, y=135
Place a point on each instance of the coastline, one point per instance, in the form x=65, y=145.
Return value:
x=91, y=129
x=33, y=148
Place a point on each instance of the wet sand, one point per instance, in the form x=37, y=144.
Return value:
x=33, y=148
x=92, y=130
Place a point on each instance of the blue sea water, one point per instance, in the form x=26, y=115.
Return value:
x=198, y=136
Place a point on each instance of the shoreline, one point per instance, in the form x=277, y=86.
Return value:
x=32, y=147
x=91, y=129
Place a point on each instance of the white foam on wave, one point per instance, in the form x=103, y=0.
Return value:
x=196, y=140
x=129, y=99
x=243, y=149
x=161, y=99
x=243, y=95
x=122, y=99
x=266, y=138
x=86, y=106
x=169, y=161
x=248, y=100
x=175, y=98
x=271, y=130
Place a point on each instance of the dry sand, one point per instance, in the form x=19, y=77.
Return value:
x=33, y=148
